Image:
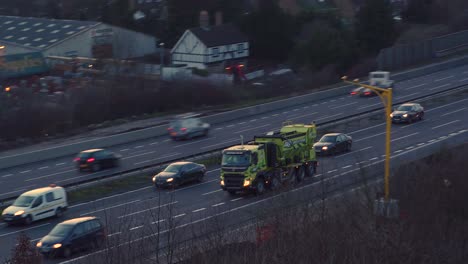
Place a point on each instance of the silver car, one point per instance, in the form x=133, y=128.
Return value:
x=188, y=127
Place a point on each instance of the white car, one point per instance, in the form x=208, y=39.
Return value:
x=186, y=127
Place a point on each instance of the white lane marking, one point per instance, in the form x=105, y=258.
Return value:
x=364, y=129
x=22, y=230
x=136, y=227
x=112, y=196
x=332, y=171
x=446, y=124
x=432, y=140
x=222, y=143
x=154, y=143
x=43, y=168
x=285, y=112
x=142, y=154
x=257, y=127
x=210, y=171
x=16, y=191
x=432, y=109
x=163, y=157
x=325, y=117
x=198, y=210
x=194, y=142
x=114, y=234
x=149, y=209
x=297, y=109
x=25, y=187
x=324, y=103
x=462, y=80
x=398, y=151
x=218, y=204
x=139, y=146
x=410, y=135
x=265, y=117
x=7, y=175
x=443, y=137
x=410, y=147
x=237, y=199
x=84, y=176
x=157, y=222
x=122, y=150
x=375, y=135
x=456, y=111
x=60, y=164
x=167, y=140
x=440, y=86
x=374, y=158
x=408, y=95
x=416, y=86
x=241, y=123
x=305, y=107
x=180, y=215
x=26, y=171
x=367, y=106
x=445, y=78
x=334, y=100
x=275, y=115
x=220, y=190
x=218, y=128
x=107, y=208
x=335, y=107
x=253, y=120
x=231, y=125
x=354, y=151
x=345, y=167
x=304, y=115
x=48, y=175
x=420, y=144
x=315, y=105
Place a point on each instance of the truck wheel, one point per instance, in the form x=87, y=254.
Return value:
x=260, y=187
x=309, y=169
x=275, y=183
x=292, y=176
x=300, y=173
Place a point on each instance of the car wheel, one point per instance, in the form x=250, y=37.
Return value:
x=421, y=116
x=97, y=243
x=67, y=252
x=58, y=212
x=200, y=177
x=348, y=147
x=96, y=167
x=260, y=187
x=300, y=174
x=28, y=220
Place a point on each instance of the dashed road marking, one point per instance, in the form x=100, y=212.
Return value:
x=345, y=167
x=446, y=124
x=445, y=78
x=218, y=204
x=398, y=151
x=456, y=111
x=158, y=221
x=167, y=140
x=138, y=146
x=410, y=135
x=440, y=86
x=114, y=234
x=136, y=227
x=411, y=147
x=218, y=128
x=332, y=171
x=26, y=171
x=122, y=150
x=416, y=86
x=374, y=158
x=248, y=129
x=43, y=168
x=7, y=175
x=265, y=117
x=198, y=210
x=420, y=144
x=220, y=190
x=179, y=215
x=230, y=125
x=60, y=164
x=241, y=123
x=275, y=115
x=237, y=199
x=154, y=143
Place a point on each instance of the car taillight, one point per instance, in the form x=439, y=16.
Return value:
x=90, y=160
x=169, y=128
x=183, y=129
x=353, y=93
x=76, y=159
x=367, y=93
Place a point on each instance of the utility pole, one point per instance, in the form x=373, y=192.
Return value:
x=161, y=48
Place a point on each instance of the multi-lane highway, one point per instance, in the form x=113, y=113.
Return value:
x=133, y=215
x=15, y=180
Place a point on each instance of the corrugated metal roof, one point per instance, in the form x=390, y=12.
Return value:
x=39, y=32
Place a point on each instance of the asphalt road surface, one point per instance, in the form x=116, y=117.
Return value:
x=16, y=180
x=136, y=214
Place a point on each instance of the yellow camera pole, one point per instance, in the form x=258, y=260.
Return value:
x=386, y=96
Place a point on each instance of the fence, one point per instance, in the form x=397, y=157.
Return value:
x=405, y=55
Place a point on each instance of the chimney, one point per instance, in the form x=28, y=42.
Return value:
x=204, y=20
x=218, y=18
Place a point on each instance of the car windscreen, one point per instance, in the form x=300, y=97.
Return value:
x=236, y=159
x=84, y=155
x=328, y=139
x=61, y=230
x=23, y=201
x=404, y=108
x=176, y=124
x=173, y=168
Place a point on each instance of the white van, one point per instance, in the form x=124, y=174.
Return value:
x=37, y=204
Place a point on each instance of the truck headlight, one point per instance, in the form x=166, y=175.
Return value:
x=324, y=148
x=57, y=245
x=154, y=179
x=19, y=213
x=391, y=115
x=246, y=183
x=39, y=244
x=170, y=180
x=222, y=182
x=405, y=115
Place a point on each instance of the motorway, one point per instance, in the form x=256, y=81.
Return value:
x=132, y=215
x=61, y=171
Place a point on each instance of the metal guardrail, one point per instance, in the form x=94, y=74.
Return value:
x=213, y=151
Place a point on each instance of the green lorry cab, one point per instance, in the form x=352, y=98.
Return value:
x=270, y=160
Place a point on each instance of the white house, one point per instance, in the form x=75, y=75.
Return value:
x=204, y=47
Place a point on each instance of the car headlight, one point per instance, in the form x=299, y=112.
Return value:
x=170, y=180
x=391, y=115
x=39, y=244
x=222, y=182
x=324, y=147
x=246, y=183
x=154, y=179
x=57, y=245
x=19, y=213
x=405, y=115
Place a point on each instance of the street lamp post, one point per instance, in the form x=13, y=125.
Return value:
x=161, y=48
x=388, y=207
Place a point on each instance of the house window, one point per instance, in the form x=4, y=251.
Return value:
x=240, y=48
x=215, y=52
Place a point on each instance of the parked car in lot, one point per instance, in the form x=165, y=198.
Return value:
x=96, y=159
x=37, y=204
x=73, y=235
x=333, y=143
x=179, y=173
x=407, y=113
x=186, y=127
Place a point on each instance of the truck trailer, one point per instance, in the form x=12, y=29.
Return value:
x=270, y=160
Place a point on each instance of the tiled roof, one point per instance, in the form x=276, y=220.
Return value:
x=39, y=32
x=219, y=35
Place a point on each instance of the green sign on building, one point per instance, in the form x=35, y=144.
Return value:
x=24, y=64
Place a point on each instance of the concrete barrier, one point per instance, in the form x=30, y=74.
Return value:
x=142, y=134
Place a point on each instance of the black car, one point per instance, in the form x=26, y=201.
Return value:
x=407, y=113
x=71, y=236
x=333, y=143
x=96, y=159
x=363, y=92
x=179, y=173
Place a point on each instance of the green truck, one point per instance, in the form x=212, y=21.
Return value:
x=270, y=160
